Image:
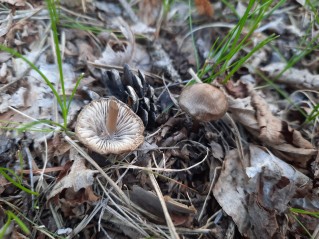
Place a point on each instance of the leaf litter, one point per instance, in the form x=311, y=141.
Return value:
x=251, y=174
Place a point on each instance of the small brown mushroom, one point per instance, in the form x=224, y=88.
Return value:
x=107, y=125
x=203, y=102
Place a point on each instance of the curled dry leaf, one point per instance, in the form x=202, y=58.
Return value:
x=79, y=176
x=257, y=196
x=119, y=52
x=294, y=77
x=254, y=114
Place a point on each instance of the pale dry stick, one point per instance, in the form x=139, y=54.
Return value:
x=135, y=206
x=129, y=11
x=56, y=216
x=160, y=196
x=212, y=25
x=41, y=178
x=23, y=14
x=209, y=191
x=78, y=15
x=16, y=209
x=85, y=221
x=189, y=231
x=145, y=224
x=238, y=139
x=167, y=169
x=29, y=117
x=30, y=159
x=123, y=218
x=154, y=160
x=194, y=75
x=40, y=229
x=209, y=220
x=315, y=234
x=158, y=148
x=84, y=5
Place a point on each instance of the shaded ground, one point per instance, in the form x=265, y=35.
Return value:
x=251, y=174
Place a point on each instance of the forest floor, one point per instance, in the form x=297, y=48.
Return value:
x=252, y=172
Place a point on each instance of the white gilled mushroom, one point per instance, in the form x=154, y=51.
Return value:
x=107, y=125
x=203, y=102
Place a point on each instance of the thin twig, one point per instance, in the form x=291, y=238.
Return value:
x=168, y=218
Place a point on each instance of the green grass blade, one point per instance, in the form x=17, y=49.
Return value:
x=20, y=223
x=5, y=227
x=192, y=34
x=54, y=20
x=302, y=211
x=74, y=90
x=300, y=223
x=14, y=182
x=242, y=60
x=27, y=126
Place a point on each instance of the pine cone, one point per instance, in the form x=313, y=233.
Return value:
x=133, y=90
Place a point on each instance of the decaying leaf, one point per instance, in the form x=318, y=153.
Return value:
x=181, y=214
x=256, y=197
x=5, y=27
x=253, y=112
x=119, y=52
x=294, y=77
x=79, y=176
x=17, y=3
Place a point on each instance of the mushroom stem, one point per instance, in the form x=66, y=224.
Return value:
x=112, y=117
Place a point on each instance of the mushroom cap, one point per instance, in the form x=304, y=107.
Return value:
x=91, y=127
x=203, y=102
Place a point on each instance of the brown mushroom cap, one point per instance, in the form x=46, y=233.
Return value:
x=203, y=102
x=107, y=125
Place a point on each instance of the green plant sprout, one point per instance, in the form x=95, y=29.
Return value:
x=306, y=47
x=15, y=180
x=62, y=101
x=224, y=51
x=304, y=212
x=10, y=217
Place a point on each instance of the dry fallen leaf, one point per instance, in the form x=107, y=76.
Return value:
x=253, y=112
x=119, y=52
x=79, y=176
x=257, y=197
x=294, y=77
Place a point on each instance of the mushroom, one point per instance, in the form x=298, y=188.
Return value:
x=203, y=102
x=107, y=125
